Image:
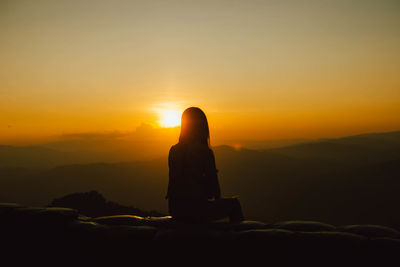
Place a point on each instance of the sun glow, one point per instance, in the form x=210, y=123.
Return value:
x=170, y=118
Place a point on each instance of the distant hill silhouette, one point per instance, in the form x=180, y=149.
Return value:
x=351, y=180
x=363, y=148
x=93, y=204
x=32, y=157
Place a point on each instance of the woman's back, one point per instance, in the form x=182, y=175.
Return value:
x=192, y=172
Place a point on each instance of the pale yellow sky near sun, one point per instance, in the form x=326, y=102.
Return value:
x=259, y=69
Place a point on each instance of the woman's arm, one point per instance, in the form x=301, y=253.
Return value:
x=175, y=170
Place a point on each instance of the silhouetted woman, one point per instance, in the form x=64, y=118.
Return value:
x=193, y=190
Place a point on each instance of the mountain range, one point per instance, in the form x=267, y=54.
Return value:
x=350, y=180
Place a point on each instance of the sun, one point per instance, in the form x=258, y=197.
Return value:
x=170, y=118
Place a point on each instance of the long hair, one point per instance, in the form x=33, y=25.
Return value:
x=194, y=127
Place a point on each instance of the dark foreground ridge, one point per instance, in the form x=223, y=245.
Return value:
x=66, y=228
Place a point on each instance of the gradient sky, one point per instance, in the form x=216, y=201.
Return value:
x=259, y=69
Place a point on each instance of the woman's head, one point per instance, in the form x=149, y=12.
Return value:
x=194, y=127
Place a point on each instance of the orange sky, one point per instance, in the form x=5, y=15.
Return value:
x=259, y=69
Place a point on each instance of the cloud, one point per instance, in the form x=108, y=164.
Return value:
x=144, y=132
x=93, y=136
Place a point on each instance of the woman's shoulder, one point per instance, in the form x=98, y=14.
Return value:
x=180, y=148
x=177, y=148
